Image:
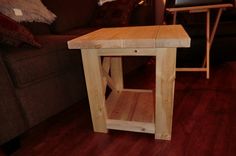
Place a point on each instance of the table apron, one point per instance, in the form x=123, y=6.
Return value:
x=131, y=51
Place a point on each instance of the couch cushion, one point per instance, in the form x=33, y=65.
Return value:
x=27, y=65
x=61, y=92
x=37, y=28
x=12, y=119
x=15, y=34
x=71, y=13
x=28, y=10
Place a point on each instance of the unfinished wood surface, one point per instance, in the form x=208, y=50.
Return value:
x=198, y=11
x=117, y=72
x=174, y=17
x=106, y=64
x=138, y=90
x=191, y=69
x=93, y=76
x=165, y=78
x=128, y=52
x=108, y=81
x=133, y=126
x=208, y=44
x=131, y=110
x=133, y=37
x=219, y=13
x=227, y=5
x=131, y=106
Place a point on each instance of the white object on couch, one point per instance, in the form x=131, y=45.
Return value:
x=101, y=2
x=30, y=11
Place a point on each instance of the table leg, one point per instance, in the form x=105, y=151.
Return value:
x=208, y=44
x=164, y=96
x=209, y=38
x=117, y=72
x=174, y=17
x=93, y=77
x=215, y=25
x=106, y=64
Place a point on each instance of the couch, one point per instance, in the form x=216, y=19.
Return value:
x=43, y=78
x=223, y=47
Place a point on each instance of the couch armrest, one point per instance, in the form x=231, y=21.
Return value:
x=12, y=119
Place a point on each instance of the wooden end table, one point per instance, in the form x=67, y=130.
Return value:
x=210, y=34
x=135, y=110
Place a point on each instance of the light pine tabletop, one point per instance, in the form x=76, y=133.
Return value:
x=133, y=37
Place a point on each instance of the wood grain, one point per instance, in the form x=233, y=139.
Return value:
x=92, y=69
x=204, y=122
x=158, y=41
x=203, y=7
x=131, y=106
x=165, y=82
x=133, y=37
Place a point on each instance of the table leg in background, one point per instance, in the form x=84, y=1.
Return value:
x=117, y=72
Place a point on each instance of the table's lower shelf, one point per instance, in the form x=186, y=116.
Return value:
x=131, y=110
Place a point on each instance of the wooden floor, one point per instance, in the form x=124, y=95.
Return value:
x=204, y=123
